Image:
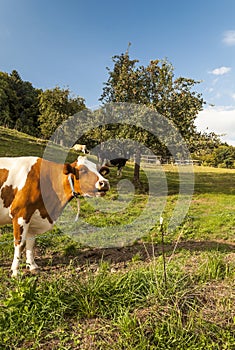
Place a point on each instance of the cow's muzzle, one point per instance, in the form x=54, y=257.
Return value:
x=102, y=187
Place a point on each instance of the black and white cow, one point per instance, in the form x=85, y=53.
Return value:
x=116, y=162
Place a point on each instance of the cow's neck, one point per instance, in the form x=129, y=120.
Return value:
x=56, y=189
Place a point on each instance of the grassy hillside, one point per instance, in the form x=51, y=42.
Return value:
x=117, y=297
x=14, y=143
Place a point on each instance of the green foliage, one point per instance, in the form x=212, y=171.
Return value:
x=156, y=87
x=225, y=156
x=32, y=110
x=18, y=103
x=55, y=107
x=222, y=156
x=204, y=143
x=39, y=113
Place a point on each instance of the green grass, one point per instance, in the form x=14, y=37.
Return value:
x=15, y=144
x=126, y=310
x=107, y=297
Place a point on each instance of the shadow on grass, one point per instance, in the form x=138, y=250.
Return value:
x=120, y=258
x=124, y=255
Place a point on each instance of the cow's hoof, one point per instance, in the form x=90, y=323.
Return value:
x=35, y=271
x=14, y=273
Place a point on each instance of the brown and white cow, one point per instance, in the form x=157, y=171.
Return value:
x=33, y=193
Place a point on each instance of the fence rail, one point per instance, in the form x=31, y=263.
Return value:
x=151, y=159
x=158, y=160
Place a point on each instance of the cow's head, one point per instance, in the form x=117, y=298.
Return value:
x=87, y=180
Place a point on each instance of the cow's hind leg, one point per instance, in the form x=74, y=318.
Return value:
x=20, y=231
x=30, y=263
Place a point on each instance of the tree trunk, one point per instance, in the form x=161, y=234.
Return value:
x=137, y=160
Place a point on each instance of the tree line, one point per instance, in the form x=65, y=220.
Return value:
x=40, y=112
x=32, y=110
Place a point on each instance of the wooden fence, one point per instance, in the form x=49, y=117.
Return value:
x=153, y=160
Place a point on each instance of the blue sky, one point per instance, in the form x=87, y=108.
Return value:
x=70, y=43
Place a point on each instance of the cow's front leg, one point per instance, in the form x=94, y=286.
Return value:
x=119, y=172
x=30, y=263
x=20, y=231
x=16, y=261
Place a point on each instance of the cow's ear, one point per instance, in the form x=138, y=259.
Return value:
x=68, y=169
x=104, y=170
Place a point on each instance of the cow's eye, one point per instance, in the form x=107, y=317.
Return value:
x=104, y=170
x=83, y=170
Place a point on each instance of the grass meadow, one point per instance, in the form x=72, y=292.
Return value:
x=130, y=294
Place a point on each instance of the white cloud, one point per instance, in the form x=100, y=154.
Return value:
x=220, y=120
x=221, y=70
x=229, y=37
x=214, y=82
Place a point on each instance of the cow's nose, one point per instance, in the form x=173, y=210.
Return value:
x=104, y=185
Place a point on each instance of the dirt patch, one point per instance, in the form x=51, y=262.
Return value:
x=120, y=258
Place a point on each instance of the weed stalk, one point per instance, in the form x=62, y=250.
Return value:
x=163, y=251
